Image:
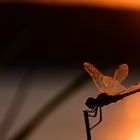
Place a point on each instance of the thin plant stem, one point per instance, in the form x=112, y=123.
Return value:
x=16, y=106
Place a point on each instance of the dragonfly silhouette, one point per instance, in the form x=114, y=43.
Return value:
x=111, y=89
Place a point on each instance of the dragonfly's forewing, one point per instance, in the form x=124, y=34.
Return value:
x=96, y=75
x=107, y=80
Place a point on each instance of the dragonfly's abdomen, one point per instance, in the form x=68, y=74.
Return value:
x=105, y=99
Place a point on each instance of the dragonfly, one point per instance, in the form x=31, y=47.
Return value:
x=111, y=90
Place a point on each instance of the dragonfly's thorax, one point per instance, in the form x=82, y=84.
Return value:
x=103, y=99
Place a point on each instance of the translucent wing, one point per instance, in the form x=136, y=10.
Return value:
x=96, y=75
x=107, y=80
x=114, y=85
x=107, y=84
x=116, y=88
x=133, y=88
x=121, y=73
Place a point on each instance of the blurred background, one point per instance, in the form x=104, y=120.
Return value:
x=43, y=86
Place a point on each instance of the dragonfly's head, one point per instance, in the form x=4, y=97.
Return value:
x=90, y=102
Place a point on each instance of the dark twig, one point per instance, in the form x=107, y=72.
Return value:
x=87, y=125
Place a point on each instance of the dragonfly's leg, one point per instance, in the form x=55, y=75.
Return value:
x=95, y=114
x=99, y=119
x=92, y=111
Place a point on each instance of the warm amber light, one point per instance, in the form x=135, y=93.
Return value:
x=135, y=135
x=135, y=4
x=125, y=4
x=133, y=117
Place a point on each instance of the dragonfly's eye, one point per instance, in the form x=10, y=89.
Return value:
x=90, y=102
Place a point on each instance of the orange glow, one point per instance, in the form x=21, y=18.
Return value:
x=133, y=117
x=135, y=4
x=135, y=135
x=125, y=4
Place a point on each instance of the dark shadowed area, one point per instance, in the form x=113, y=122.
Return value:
x=63, y=34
